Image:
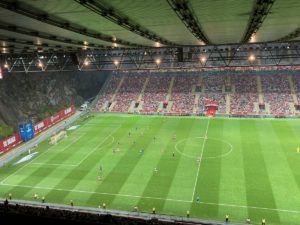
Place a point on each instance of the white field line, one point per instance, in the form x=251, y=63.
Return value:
x=39, y=136
x=200, y=160
x=43, y=153
x=54, y=164
x=97, y=146
x=68, y=164
x=155, y=198
x=57, y=164
x=250, y=207
x=93, y=192
x=66, y=147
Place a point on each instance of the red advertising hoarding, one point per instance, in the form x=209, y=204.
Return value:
x=14, y=140
x=10, y=142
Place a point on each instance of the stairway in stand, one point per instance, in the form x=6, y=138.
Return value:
x=170, y=103
x=259, y=90
x=113, y=103
x=293, y=94
x=228, y=99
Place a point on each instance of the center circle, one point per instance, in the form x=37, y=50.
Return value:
x=213, y=147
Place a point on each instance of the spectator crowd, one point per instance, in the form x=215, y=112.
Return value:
x=241, y=87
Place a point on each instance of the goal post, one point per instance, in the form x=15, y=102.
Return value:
x=57, y=137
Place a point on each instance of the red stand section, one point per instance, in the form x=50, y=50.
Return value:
x=211, y=111
x=211, y=108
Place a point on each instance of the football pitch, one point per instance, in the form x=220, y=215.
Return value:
x=246, y=168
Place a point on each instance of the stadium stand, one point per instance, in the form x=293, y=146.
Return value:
x=245, y=94
x=155, y=92
x=276, y=91
x=129, y=92
x=182, y=94
x=108, y=93
x=13, y=213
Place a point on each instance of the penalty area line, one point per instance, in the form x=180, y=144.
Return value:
x=54, y=164
x=37, y=157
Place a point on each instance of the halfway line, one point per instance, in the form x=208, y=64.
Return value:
x=200, y=160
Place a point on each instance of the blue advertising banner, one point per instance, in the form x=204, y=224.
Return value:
x=26, y=131
x=22, y=132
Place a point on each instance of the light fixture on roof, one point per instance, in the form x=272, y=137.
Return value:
x=157, y=61
x=251, y=57
x=86, y=62
x=157, y=44
x=116, y=62
x=85, y=43
x=115, y=44
x=203, y=59
x=252, y=38
x=40, y=64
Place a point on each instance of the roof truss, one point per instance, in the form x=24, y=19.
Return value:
x=219, y=57
x=35, y=33
x=111, y=14
x=290, y=36
x=259, y=13
x=45, y=18
x=184, y=12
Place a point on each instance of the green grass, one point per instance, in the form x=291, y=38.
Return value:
x=247, y=168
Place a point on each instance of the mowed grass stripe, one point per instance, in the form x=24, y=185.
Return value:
x=108, y=160
x=117, y=176
x=277, y=148
x=83, y=172
x=289, y=143
x=207, y=187
x=232, y=180
x=43, y=149
x=183, y=183
x=265, y=148
x=38, y=175
x=258, y=188
x=140, y=175
x=60, y=157
x=75, y=137
x=160, y=183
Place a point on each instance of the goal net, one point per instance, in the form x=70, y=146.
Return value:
x=56, y=137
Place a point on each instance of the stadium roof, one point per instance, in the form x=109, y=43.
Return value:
x=74, y=25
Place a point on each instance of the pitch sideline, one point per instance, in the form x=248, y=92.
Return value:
x=155, y=198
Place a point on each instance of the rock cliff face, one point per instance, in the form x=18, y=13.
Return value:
x=33, y=96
